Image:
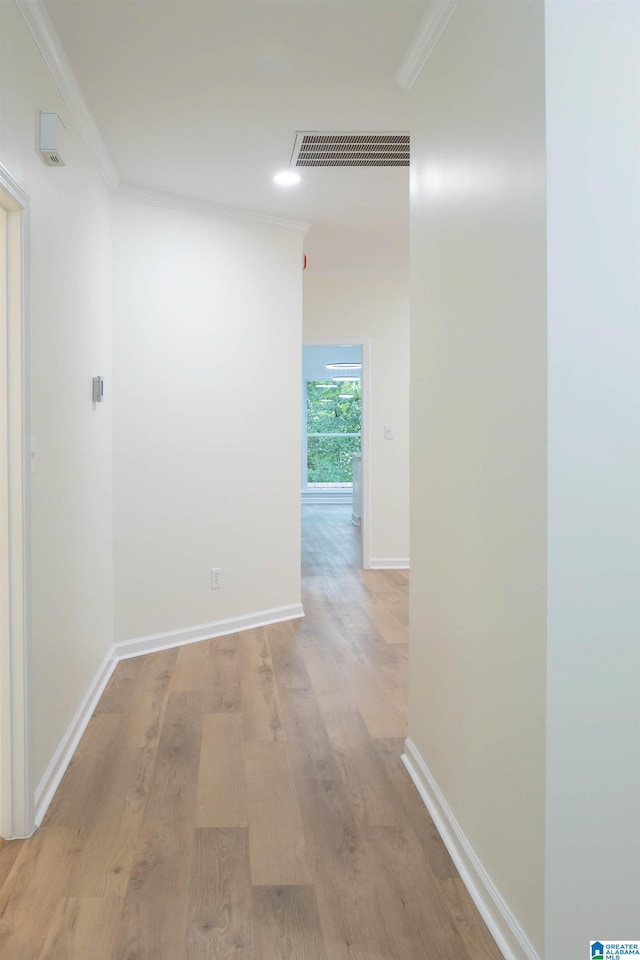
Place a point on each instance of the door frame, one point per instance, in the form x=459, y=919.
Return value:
x=365, y=381
x=16, y=798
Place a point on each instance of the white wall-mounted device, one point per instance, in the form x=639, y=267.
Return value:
x=98, y=389
x=51, y=139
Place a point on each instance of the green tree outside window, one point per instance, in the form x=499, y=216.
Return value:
x=332, y=408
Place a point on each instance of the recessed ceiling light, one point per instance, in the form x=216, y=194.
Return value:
x=343, y=366
x=347, y=379
x=286, y=178
x=345, y=396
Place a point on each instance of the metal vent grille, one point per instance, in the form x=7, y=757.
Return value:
x=350, y=150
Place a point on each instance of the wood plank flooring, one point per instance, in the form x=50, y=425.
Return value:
x=244, y=798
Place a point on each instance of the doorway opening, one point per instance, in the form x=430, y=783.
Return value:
x=334, y=434
x=16, y=812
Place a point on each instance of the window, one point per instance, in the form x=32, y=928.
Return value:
x=334, y=417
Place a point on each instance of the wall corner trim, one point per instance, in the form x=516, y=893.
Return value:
x=67, y=746
x=206, y=631
x=388, y=563
x=433, y=25
x=505, y=929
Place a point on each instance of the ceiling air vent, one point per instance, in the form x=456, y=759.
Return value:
x=313, y=149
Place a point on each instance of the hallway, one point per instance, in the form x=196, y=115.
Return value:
x=244, y=797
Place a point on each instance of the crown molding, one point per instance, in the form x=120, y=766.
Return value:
x=53, y=53
x=433, y=25
x=48, y=42
x=175, y=201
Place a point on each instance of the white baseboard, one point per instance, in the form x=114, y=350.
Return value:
x=505, y=929
x=389, y=563
x=67, y=746
x=205, y=631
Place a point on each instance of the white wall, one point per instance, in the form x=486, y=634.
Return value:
x=593, y=753
x=70, y=293
x=207, y=438
x=374, y=307
x=478, y=414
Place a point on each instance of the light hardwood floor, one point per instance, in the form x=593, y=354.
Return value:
x=244, y=798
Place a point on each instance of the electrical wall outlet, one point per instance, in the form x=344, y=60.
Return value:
x=216, y=578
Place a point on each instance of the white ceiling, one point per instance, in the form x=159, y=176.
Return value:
x=315, y=360
x=203, y=98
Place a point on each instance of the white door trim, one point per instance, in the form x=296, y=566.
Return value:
x=365, y=345
x=16, y=797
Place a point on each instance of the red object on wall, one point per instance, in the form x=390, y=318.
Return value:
x=304, y=261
